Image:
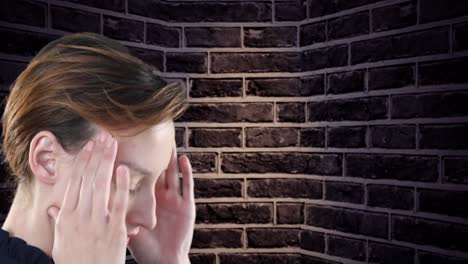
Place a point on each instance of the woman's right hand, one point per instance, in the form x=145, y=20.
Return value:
x=85, y=230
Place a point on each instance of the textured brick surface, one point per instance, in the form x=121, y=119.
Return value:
x=319, y=131
x=294, y=188
x=348, y=220
x=347, y=247
x=74, y=20
x=212, y=37
x=289, y=213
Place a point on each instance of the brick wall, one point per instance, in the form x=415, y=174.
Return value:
x=319, y=131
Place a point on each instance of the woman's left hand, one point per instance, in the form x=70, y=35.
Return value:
x=170, y=240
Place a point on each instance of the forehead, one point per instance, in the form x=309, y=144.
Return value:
x=148, y=152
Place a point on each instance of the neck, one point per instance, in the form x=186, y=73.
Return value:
x=30, y=222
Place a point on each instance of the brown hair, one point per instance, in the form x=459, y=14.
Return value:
x=75, y=82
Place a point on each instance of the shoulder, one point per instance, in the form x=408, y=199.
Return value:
x=14, y=250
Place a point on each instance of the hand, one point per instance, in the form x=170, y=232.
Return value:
x=170, y=240
x=85, y=230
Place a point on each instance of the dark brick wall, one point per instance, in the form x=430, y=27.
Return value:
x=319, y=131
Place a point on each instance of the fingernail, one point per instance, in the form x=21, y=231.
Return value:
x=90, y=145
x=102, y=138
x=109, y=142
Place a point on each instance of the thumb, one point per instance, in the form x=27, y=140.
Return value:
x=53, y=212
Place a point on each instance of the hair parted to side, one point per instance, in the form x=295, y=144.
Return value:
x=76, y=82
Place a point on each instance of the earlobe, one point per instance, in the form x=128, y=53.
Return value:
x=42, y=157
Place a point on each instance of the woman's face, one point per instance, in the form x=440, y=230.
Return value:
x=147, y=156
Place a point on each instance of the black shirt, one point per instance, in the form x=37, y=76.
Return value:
x=14, y=250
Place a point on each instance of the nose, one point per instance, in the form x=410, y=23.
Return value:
x=144, y=214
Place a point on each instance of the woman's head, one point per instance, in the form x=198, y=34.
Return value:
x=73, y=88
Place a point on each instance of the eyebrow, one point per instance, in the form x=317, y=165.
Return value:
x=142, y=171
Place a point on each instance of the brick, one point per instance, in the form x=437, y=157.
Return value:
x=24, y=12
x=162, y=36
x=401, y=46
x=347, y=137
x=348, y=220
x=443, y=72
x=432, y=258
x=152, y=57
x=291, y=10
x=394, y=16
x=319, y=8
x=455, y=169
x=279, y=87
x=244, y=62
x=349, y=248
x=187, y=62
x=203, y=11
x=399, y=167
x=313, y=137
x=208, y=37
x=345, y=192
x=460, y=39
x=393, y=136
x=271, y=137
x=243, y=213
x=346, y=82
x=291, y=188
x=74, y=20
x=443, y=202
x=10, y=71
x=422, y=231
x=290, y=112
x=210, y=188
x=387, y=254
x=441, y=104
x=290, y=213
x=180, y=137
x=312, y=33
x=443, y=136
x=387, y=196
x=215, y=88
x=23, y=43
x=306, y=259
x=272, y=238
x=327, y=57
x=228, y=112
x=123, y=29
x=215, y=137
x=202, y=162
x=263, y=37
x=313, y=241
x=349, y=25
x=253, y=258
x=391, y=77
x=356, y=109
x=217, y=238
x=202, y=258
x=115, y=5
x=291, y=162
x=315, y=84
x=432, y=10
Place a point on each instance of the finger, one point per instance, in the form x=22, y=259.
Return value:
x=86, y=193
x=120, y=202
x=172, y=174
x=53, y=213
x=188, y=185
x=102, y=180
x=72, y=193
x=161, y=183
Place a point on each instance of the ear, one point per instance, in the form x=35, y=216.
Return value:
x=43, y=152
